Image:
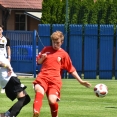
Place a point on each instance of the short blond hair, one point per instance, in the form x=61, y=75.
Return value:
x=57, y=35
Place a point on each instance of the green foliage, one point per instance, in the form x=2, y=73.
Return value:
x=80, y=12
x=103, y=13
x=60, y=15
x=46, y=12
x=93, y=15
x=53, y=12
x=112, y=14
x=74, y=11
x=85, y=9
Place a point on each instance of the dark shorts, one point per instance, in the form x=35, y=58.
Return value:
x=13, y=87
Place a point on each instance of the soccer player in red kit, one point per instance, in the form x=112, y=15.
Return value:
x=53, y=59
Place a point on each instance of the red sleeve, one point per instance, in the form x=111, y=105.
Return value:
x=67, y=64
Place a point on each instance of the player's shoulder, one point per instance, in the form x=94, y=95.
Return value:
x=62, y=50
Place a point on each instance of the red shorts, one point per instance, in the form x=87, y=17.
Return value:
x=49, y=87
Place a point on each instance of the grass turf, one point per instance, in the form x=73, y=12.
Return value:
x=76, y=100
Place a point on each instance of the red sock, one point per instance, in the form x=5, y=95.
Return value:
x=37, y=102
x=54, y=109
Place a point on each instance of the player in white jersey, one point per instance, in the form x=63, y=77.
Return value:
x=13, y=88
x=4, y=45
x=4, y=48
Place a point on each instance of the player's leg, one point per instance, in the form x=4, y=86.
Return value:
x=16, y=108
x=53, y=96
x=14, y=89
x=23, y=99
x=39, y=94
x=53, y=105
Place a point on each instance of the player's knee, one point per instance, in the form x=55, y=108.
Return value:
x=39, y=88
x=52, y=99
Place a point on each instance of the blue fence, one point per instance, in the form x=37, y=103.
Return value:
x=91, y=48
x=106, y=51
x=75, y=46
x=23, y=50
x=90, y=51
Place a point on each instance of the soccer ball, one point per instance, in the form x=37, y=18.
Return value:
x=101, y=90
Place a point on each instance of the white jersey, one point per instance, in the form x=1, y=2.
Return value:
x=4, y=78
x=3, y=43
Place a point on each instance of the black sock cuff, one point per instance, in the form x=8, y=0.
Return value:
x=26, y=99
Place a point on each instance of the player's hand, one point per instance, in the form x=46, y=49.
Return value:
x=43, y=56
x=86, y=84
x=9, y=71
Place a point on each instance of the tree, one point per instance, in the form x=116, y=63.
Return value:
x=84, y=12
x=93, y=15
x=46, y=11
x=74, y=11
x=52, y=12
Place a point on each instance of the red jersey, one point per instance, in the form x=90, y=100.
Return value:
x=52, y=65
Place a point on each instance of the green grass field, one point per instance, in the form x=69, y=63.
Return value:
x=76, y=100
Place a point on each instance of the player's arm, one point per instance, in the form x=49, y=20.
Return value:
x=77, y=77
x=67, y=64
x=41, y=59
x=9, y=52
x=8, y=49
x=5, y=66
